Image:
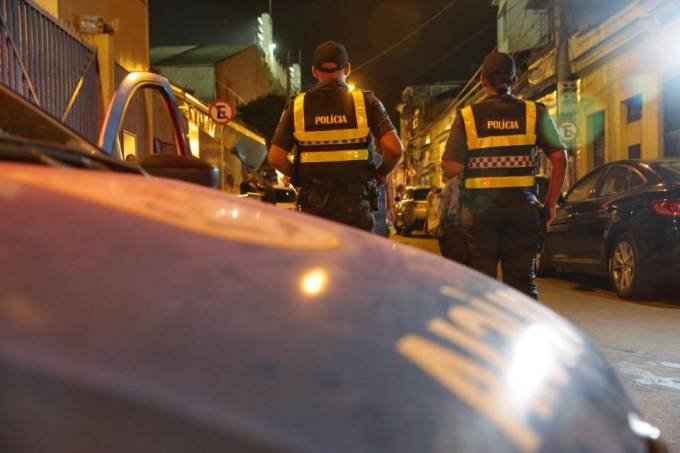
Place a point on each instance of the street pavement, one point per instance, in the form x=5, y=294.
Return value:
x=641, y=340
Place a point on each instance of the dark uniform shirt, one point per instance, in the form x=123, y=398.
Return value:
x=378, y=120
x=457, y=150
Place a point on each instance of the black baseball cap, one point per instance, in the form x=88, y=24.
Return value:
x=499, y=65
x=330, y=52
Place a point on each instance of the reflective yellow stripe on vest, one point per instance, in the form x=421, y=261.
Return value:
x=362, y=130
x=500, y=141
x=500, y=182
x=333, y=156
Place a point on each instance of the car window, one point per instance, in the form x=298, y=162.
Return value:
x=139, y=138
x=585, y=189
x=420, y=194
x=615, y=182
x=670, y=171
x=635, y=179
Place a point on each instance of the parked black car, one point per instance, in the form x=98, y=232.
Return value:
x=621, y=220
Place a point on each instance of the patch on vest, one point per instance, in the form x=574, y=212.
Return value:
x=502, y=125
x=330, y=119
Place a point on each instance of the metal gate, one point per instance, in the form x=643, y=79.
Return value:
x=50, y=65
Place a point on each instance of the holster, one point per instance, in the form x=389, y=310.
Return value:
x=364, y=191
x=314, y=199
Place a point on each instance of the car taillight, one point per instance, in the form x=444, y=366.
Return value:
x=667, y=207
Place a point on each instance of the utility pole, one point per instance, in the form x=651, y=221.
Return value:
x=567, y=102
x=288, y=75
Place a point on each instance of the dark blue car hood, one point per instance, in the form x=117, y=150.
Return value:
x=139, y=314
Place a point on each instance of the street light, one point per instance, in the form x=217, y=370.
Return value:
x=665, y=46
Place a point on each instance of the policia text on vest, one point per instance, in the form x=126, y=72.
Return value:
x=331, y=129
x=494, y=144
x=334, y=166
x=497, y=159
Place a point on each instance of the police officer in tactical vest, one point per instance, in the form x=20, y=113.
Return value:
x=331, y=130
x=493, y=144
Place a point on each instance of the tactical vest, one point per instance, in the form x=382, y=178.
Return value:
x=501, y=147
x=334, y=138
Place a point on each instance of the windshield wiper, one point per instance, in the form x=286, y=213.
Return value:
x=18, y=150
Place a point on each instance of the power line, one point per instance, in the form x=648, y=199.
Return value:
x=451, y=52
x=422, y=26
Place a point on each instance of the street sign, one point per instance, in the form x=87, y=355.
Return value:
x=221, y=112
x=569, y=132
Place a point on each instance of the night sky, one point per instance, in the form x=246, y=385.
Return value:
x=366, y=27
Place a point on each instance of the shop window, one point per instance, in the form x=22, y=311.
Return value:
x=634, y=152
x=634, y=108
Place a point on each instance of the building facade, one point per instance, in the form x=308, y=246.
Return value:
x=624, y=60
x=237, y=74
x=117, y=29
x=62, y=54
x=626, y=79
x=425, y=121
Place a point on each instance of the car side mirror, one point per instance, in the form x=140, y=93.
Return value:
x=184, y=168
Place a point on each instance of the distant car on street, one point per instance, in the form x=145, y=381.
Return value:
x=411, y=210
x=621, y=220
x=143, y=314
x=433, y=211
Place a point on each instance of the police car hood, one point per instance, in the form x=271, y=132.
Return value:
x=141, y=314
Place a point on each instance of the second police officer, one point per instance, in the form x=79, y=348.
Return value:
x=331, y=130
x=493, y=144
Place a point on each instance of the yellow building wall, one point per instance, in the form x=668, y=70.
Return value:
x=130, y=19
x=440, y=135
x=607, y=88
x=128, y=46
x=51, y=6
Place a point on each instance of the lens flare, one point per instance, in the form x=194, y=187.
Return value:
x=314, y=282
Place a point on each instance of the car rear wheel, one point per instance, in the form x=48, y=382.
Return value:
x=626, y=276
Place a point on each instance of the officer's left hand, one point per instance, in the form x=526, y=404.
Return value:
x=381, y=180
x=552, y=214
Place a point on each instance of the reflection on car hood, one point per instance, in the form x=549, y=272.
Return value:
x=145, y=314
